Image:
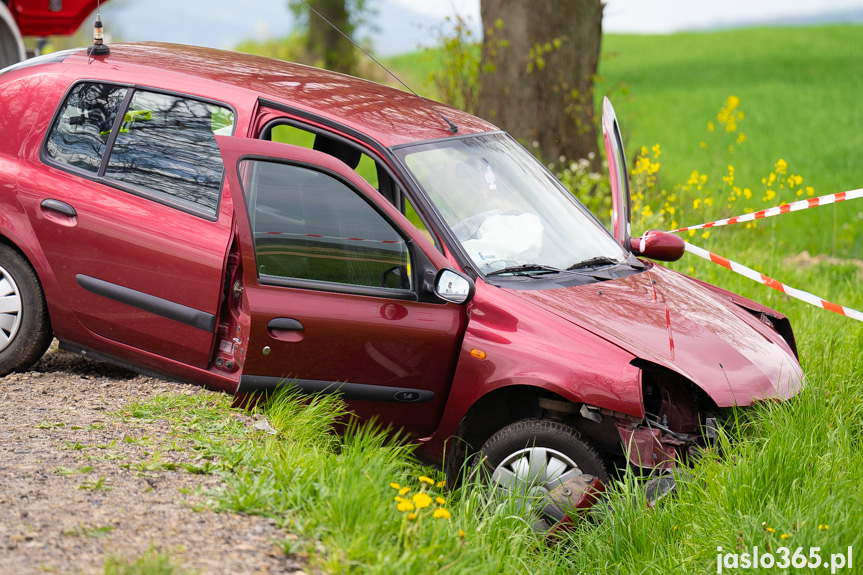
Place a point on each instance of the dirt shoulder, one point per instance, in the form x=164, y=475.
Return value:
x=70, y=494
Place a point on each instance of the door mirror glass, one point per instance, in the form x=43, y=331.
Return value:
x=453, y=286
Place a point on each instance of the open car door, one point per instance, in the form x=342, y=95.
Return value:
x=334, y=279
x=620, y=197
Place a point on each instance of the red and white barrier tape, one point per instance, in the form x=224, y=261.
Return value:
x=775, y=211
x=770, y=282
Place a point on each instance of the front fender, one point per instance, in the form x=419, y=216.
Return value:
x=509, y=342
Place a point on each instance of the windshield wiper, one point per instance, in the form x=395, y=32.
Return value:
x=524, y=268
x=594, y=262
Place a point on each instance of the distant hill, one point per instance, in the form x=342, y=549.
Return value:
x=851, y=16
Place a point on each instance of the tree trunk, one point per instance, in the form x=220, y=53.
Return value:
x=539, y=61
x=325, y=43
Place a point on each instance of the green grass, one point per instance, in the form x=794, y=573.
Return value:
x=799, y=93
x=790, y=467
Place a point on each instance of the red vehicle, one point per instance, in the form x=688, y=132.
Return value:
x=149, y=216
x=38, y=18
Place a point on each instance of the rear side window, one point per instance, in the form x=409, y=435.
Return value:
x=84, y=124
x=167, y=145
x=160, y=146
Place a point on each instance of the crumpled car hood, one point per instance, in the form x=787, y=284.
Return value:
x=666, y=318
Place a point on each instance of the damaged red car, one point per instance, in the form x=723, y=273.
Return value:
x=245, y=223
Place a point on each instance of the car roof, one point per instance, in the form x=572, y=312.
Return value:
x=386, y=114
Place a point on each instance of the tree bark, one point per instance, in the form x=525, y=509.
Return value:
x=325, y=43
x=539, y=62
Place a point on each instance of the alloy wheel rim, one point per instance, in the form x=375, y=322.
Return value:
x=11, y=309
x=535, y=471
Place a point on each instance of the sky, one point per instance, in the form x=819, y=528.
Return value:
x=403, y=25
x=666, y=16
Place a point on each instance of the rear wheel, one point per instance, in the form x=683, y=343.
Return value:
x=535, y=456
x=25, y=330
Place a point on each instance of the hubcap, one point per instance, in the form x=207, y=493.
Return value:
x=10, y=309
x=535, y=471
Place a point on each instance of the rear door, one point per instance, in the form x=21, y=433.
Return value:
x=129, y=214
x=333, y=276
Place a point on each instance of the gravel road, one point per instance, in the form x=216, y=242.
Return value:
x=63, y=510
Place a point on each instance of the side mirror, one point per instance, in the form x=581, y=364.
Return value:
x=657, y=245
x=453, y=286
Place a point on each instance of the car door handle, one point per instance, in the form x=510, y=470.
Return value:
x=284, y=324
x=59, y=207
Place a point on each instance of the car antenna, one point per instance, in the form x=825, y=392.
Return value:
x=98, y=48
x=452, y=127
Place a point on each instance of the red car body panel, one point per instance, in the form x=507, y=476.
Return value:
x=37, y=18
x=661, y=316
x=584, y=345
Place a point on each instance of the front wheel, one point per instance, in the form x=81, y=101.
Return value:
x=535, y=456
x=25, y=330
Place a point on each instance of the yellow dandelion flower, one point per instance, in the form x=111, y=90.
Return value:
x=706, y=234
x=404, y=490
x=810, y=191
x=691, y=233
x=703, y=145
x=709, y=127
x=771, y=530
x=732, y=102
x=395, y=486
x=422, y=500
x=441, y=513
x=785, y=536
x=695, y=203
x=691, y=269
x=741, y=137
x=781, y=166
x=412, y=515
x=440, y=484
x=674, y=528
x=656, y=151
x=399, y=499
x=440, y=500
x=425, y=479
x=405, y=506
x=748, y=193
x=461, y=532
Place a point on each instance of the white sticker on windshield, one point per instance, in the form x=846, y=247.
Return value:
x=490, y=178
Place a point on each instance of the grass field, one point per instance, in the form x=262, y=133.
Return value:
x=788, y=475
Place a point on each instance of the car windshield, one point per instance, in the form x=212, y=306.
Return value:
x=509, y=213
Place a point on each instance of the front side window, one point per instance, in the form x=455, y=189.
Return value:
x=308, y=225
x=82, y=128
x=162, y=146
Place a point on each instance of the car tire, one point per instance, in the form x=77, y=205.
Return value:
x=534, y=455
x=25, y=329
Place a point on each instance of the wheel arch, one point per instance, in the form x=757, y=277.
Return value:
x=517, y=402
